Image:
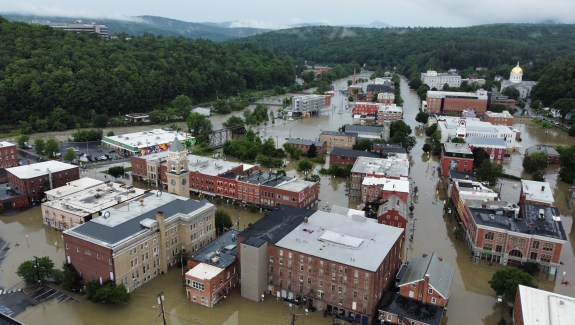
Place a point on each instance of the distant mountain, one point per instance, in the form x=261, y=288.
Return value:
x=155, y=25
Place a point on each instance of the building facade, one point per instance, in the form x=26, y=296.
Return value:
x=338, y=139
x=305, y=144
x=454, y=103
x=516, y=81
x=437, y=80
x=348, y=156
x=452, y=127
x=139, y=240
x=496, y=148
x=456, y=156
x=390, y=113
x=503, y=118
x=8, y=155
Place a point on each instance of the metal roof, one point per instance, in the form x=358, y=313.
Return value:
x=412, y=309
x=224, y=248
x=440, y=273
x=363, y=128
x=540, y=307
x=305, y=142
x=353, y=153
x=486, y=142
x=176, y=146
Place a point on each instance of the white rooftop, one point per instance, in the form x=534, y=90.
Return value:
x=161, y=156
x=395, y=166
x=72, y=187
x=390, y=108
x=94, y=199
x=537, y=191
x=210, y=166
x=145, y=139
x=204, y=271
x=39, y=169
x=348, y=212
x=388, y=184
x=505, y=114
x=356, y=241
x=441, y=94
x=6, y=144
x=541, y=307
x=294, y=185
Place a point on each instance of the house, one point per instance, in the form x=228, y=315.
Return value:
x=456, y=156
x=552, y=154
x=305, y=144
x=348, y=156
x=424, y=284
x=535, y=307
x=213, y=270
x=390, y=112
x=137, y=241
x=338, y=139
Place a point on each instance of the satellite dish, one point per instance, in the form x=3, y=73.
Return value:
x=159, y=193
x=106, y=215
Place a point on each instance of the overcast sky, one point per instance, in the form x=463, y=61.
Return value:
x=276, y=14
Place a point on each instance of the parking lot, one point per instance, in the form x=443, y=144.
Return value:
x=88, y=154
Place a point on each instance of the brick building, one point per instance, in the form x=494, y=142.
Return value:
x=386, y=98
x=338, y=139
x=394, y=166
x=305, y=144
x=454, y=103
x=348, y=156
x=379, y=86
x=213, y=270
x=424, y=286
x=503, y=118
x=380, y=188
x=509, y=234
x=12, y=199
x=390, y=113
x=387, y=148
x=34, y=179
x=456, y=156
x=365, y=131
x=365, y=108
x=137, y=241
x=552, y=154
x=497, y=99
x=535, y=306
x=346, y=277
x=8, y=155
x=496, y=148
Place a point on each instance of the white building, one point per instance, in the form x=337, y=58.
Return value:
x=71, y=188
x=516, y=81
x=146, y=142
x=539, y=307
x=308, y=104
x=438, y=80
x=453, y=127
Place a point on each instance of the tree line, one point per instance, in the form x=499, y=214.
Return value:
x=55, y=80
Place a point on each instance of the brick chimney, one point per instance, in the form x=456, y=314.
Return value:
x=162, y=242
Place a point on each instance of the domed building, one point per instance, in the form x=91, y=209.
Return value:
x=516, y=81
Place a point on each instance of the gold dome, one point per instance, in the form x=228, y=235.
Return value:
x=517, y=70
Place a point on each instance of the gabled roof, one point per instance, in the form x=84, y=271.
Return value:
x=440, y=273
x=177, y=146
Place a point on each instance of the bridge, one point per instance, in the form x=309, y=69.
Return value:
x=217, y=138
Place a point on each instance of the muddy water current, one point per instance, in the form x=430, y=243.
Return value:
x=472, y=301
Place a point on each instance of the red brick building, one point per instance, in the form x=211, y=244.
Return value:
x=496, y=148
x=8, y=155
x=348, y=156
x=509, y=234
x=454, y=103
x=456, y=156
x=33, y=180
x=365, y=108
x=213, y=270
x=424, y=282
x=304, y=145
x=503, y=118
x=346, y=277
x=395, y=166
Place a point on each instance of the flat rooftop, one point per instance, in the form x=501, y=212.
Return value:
x=6, y=144
x=146, y=139
x=363, y=128
x=341, y=134
x=457, y=148
x=204, y=271
x=504, y=114
x=210, y=166
x=221, y=252
x=388, y=184
x=395, y=166
x=486, y=142
x=39, y=169
x=94, y=199
x=350, y=153
x=73, y=187
x=122, y=221
x=305, y=142
x=356, y=241
x=537, y=191
x=540, y=307
x=276, y=224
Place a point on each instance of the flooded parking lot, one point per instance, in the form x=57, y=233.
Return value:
x=472, y=301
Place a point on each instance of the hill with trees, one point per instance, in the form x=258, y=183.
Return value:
x=57, y=80
x=413, y=50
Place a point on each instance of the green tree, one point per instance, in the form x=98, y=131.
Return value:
x=426, y=147
x=489, y=172
x=363, y=144
x=110, y=134
x=21, y=140
x=537, y=161
x=312, y=151
x=479, y=156
x=572, y=131
x=223, y=221
x=233, y=121
x=69, y=155
x=200, y=126
x=116, y=171
x=36, y=271
x=52, y=148
x=565, y=105
x=304, y=165
x=511, y=92
x=183, y=105
x=506, y=281
x=567, y=163
x=415, y=83
x=39, y=145
x=457, y=140
x=431, y=129
x=107, y=293
x=538, y=176
x=422, y=117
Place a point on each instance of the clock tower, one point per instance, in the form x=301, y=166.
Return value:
x=177, y=173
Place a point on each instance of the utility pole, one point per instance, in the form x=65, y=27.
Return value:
x=293, y=319
x=161, y=303
x=37, y=269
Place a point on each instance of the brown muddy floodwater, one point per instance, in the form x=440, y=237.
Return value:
x=472, y=301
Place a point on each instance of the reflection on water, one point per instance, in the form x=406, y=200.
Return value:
x=472, y=301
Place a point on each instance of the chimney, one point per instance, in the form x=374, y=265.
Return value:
x=542, y=188
x=162, y=242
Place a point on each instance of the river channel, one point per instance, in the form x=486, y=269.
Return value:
x=472, y=301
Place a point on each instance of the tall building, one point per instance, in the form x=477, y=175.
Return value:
x=456, y=156
x=516, y=81
x=134, y=242
x=455, y=103
x=437, y=80
x=178, y=174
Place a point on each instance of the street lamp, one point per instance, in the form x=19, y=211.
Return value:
x=500, y=301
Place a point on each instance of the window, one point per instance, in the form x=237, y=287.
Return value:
x=535, y=245
x=389, y=317
x=547, y=247
x=433, y=300
x=430, y=291
x=198, y=285
x=489, y=235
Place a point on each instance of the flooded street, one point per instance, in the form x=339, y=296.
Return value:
x=472, y=301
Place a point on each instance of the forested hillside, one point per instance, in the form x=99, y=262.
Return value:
x=56, y=80
x=413, y=50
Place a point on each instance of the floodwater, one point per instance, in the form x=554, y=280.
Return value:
x=472, y=301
